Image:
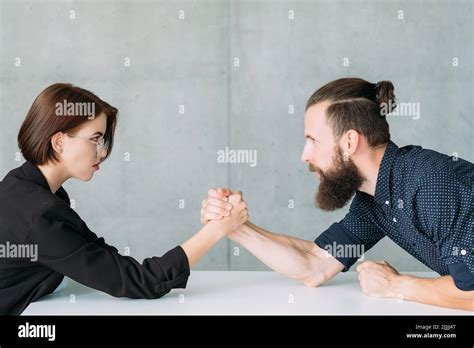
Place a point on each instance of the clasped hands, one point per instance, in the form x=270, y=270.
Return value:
x=225, y=206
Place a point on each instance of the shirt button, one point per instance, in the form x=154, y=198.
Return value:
x=463, y=252
x=387, y=202
x=394, y=220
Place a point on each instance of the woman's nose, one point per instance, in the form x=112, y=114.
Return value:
x=103, y=153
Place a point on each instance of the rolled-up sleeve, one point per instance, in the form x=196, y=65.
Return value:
x=456, y=226
x=349, y=238
x=450, y=215
x=463, y=277
x=67, y=246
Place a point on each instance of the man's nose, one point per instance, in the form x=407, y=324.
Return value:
x=305, y=155
x=303, y=158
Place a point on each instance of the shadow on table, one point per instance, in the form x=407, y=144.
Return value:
x=73, y=288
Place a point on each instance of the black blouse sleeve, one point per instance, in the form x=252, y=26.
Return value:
x=67, y=246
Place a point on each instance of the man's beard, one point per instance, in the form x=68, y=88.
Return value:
x=338, y=184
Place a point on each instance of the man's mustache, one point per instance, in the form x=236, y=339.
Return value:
x=318, y=170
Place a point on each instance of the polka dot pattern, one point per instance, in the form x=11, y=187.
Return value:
x=424, y=202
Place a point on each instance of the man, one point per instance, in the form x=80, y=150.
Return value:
x=421, y=199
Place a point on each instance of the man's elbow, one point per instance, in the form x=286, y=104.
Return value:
x=319, y=268
x=313, y=282
x=466, y=301
x=314, y=276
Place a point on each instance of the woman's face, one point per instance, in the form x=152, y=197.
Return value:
x=79, y=156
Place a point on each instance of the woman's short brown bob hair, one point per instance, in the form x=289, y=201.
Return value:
x=43, y=120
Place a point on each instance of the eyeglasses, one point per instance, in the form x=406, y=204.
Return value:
x=100, y=143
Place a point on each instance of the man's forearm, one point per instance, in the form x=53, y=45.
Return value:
x=439, y=292
x=293, y=257
x=302, y=245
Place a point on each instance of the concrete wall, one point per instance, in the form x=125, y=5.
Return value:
x=241, y=71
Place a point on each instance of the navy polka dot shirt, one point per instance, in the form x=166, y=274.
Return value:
x=424, y=202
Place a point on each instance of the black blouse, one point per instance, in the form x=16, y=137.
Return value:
x=32, y=217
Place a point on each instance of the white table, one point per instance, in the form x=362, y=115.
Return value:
x=238, y=293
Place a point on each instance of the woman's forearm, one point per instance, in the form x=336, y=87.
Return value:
x=199, y=244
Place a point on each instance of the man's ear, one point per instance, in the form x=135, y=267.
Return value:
x=350, y=141
x=57, y=142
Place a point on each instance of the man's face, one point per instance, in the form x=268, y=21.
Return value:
x=339, y=176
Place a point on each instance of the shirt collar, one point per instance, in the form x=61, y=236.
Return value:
x=382, y=188
x=33, y=174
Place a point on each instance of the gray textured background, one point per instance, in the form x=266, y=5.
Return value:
x=135, y=204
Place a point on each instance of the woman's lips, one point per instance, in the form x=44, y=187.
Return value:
x=96, y=166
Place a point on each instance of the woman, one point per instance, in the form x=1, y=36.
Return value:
x=68, y=132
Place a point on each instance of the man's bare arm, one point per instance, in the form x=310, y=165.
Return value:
x=380, y=279
x=435, y=291
x=296, y=258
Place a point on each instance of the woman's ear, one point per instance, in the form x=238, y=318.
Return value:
x=57, y=142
